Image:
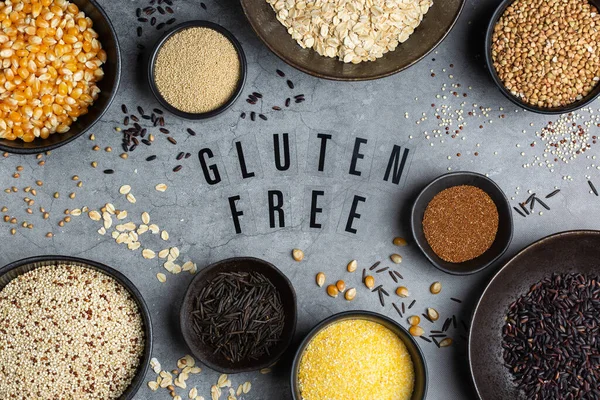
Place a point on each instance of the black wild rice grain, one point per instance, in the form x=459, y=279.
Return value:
x=393, y=276
x=403, y=308
x=188, y=155
x=376, y=289
x=550, y=339
x=172, y=140
x=384, y=292
x=153, y=21
x=169, y=10
x=139, y=31
x=164, y=130
x=364, y=274
x=298, y=101
x=398, y=274
x=532, y=204
x=593, y=188
x=397, y=309
x=381, y=299
x=455, y=300
x=140, y=110
x=160, y=26
x=542, y=203
x=519, y=211
x=158, y=111
x=280, y=73
x=374, y=266
x=425, y=339
x=138, y=12
x=243, y=115
x=412, y=304
x=203, y=5
x=250, y=101
x=239, y=316
x=382, y=270
x=191, y=131
x=257, y=95
x=290, y=84
x=446, y=324
x=530, y=198
x=454, y=325
x=170, y=21
x=287, y=102
x=109, y=171
x=298, y=96
x=142, y=19
x=126, y=121
x=253, y=116
x=180, y=155
x=276, y=108
x=524, y=208
x=177, y=168
x=160, y=10
x=557, y=191
x=151, y=158
x=147, y=142
x=263, y=117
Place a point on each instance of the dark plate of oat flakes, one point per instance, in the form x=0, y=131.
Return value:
x=436, y=25
x=573, y=252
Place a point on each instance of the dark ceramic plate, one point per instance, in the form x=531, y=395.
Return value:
x=13, y=270
x=108, y=88
x=435, y=26
x=179, y=28
x=575, y=251
x=421, y=374
x=239, y=264
x=505, y=224
x=488, y=57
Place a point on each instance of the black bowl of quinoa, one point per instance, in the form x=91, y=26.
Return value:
x=162, y=96
x=503, y=236
x=17, y=269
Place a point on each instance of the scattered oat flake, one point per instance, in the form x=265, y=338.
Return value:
x=94, y=215
x=153, y=386
x=246, y=387
x=193, y=393
x=148, y=254
x=265, y=371
x=125, y=189
x=161, y=278
x=145, y=218
x=130, y=198
x=155, y=365
x=164, y=235
x=161, y=187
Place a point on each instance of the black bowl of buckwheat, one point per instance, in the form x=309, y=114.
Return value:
x=82, y=329
x=544, y=56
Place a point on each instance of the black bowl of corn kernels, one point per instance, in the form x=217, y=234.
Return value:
x=552, y=69
x=340, y=355
x=197, y=70
x=49, y=104
x=76, y=321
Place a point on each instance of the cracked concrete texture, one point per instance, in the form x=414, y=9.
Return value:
x=198, y=218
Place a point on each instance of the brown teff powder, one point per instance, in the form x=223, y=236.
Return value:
x=197, y=70
x=460, y=223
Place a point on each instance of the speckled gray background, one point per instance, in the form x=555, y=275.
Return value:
x=197, y=216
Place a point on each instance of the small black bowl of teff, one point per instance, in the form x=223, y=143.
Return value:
x=462, y=222
x=197, y=70
x=239, y=315
x=544, y=55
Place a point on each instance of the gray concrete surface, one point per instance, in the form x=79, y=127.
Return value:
x=197, y=215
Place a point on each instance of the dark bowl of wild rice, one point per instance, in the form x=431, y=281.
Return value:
x=239, y=315
x=500, y=242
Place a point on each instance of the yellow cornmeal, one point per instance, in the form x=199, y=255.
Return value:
x=356, y=360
